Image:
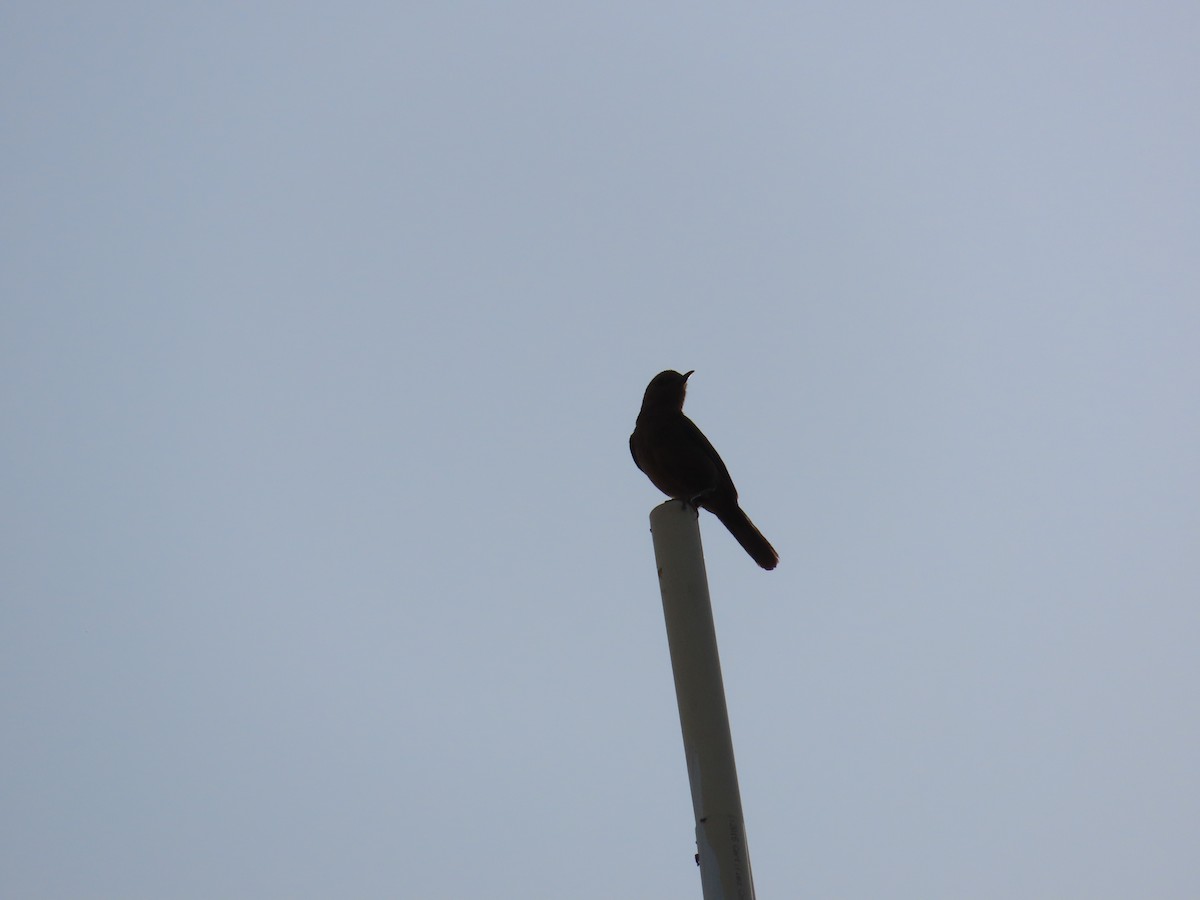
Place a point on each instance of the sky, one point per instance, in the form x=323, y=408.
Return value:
x=324, y=567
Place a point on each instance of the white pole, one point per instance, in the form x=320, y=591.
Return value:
x=700, y=692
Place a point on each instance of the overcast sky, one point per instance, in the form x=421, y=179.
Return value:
x=326, y=572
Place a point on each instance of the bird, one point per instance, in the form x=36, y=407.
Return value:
x=679, y=461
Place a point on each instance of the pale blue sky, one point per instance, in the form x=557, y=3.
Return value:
x=326, y=572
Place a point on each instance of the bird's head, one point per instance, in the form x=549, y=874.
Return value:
x=666, y=389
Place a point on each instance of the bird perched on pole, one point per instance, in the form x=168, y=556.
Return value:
x=679, y=460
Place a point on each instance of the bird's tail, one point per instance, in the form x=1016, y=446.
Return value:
x=748, y=536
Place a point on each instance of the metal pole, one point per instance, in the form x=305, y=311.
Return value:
x=707, y=744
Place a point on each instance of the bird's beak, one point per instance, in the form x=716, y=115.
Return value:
x=687, y=375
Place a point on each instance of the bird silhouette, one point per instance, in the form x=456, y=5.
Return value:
x=681, y=462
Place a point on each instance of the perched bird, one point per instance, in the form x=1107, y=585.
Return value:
x=679, y=460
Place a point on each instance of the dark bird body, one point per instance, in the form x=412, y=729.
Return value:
x=680, y=461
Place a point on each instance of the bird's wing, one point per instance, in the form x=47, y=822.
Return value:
x=709, y=450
